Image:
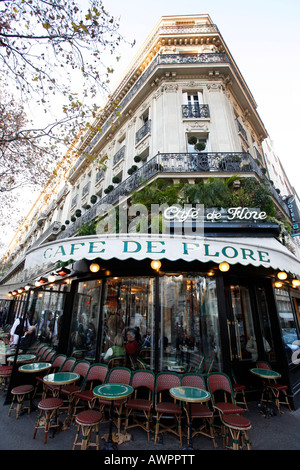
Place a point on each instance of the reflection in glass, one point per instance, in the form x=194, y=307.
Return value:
x=189, y=319
x=288, y=324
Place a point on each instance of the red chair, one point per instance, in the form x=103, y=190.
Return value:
x=81, y=368
x=239, y=389
x=96, y=375
x=275, y=387
x=165, y=407
x=143, y=382
x=58, y=361
x=220, y=387
x=119, y=375
x=67, y=366
x=199, y=411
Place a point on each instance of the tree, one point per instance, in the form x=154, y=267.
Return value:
x=52, y=56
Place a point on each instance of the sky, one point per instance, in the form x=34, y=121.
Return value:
x=262, y=36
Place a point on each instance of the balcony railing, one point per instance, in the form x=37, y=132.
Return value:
x=142, y=132
x=173, y=163
x=119, y=155
x=195, y=111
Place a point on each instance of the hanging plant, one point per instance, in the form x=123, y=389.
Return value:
x=137, y=159
x=116, y=180
x=67, y=222
x=93, y=199
x=78, y=213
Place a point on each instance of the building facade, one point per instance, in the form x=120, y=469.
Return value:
x=185, y=131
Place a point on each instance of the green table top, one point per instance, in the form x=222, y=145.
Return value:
x=190, y=394
x=22, y=357
x=61, y=378
x=265, y=373
x=35, y=367
x=112, y=391
x=7, y=351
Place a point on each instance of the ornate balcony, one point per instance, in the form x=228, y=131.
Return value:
x=142, y=132
x=195, y=111
x=193, y=164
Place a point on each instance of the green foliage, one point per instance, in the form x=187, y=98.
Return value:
x=88, y=228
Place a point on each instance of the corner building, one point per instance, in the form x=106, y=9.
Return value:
x=186, y=120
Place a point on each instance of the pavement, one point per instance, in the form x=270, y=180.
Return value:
x=280, y=432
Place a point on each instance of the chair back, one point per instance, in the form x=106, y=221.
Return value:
x=165, y=381
x=220, y=382
x=58, y=361
x=81, y=367
x=193, y=380
x=263, y=365
x=67, y=365
x=41, y=351
x=207, y=365
x=42, y=357
x=50, y=356
x=117, y=361
x=143, y=378
x=96, y=374
x=119, y=375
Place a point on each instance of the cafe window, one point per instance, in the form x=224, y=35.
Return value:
x=288, y=323
x=128, y=308
x=189, y=319
x=85, y=319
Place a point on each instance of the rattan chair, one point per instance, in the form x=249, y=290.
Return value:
x=143, y=382
x=165, y=407
x=120, y=375
x=223, y=400
x=96, y=375
x=275, y=387
x=199, y=411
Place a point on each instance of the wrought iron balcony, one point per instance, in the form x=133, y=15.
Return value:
x=119, y=155
x=193, y=164
x=195, y=111
x=142, y=132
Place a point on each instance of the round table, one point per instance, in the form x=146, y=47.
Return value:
x=61, y=378
x=35, y=367
x=112, y=392
x=4, y=353
x=266, y=375
x=22, y=358
x=190, y=395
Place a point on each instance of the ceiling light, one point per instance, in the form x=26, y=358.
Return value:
x=155, y=264
x=94, y=267
x=282, y=275
x=224, y=267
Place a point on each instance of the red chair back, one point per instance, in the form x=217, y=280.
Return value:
x=81, y=368
x=166, y=380
x=219, y=382
x=263, y=365
x=58, y=361
x=97, y=373
x=193, y=380
x=68, y=364
x=119, y=375
x=143, y=378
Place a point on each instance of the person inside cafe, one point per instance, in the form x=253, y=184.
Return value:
x=117, y=349
x=28, y=339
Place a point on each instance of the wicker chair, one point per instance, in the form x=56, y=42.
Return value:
x=143, y=382
x=87, y=421
x=220, y=387
x=199, y=411
x=275, y=387
x=165, y=407
x=67, y=366
x=120, y=375
x=96, y=375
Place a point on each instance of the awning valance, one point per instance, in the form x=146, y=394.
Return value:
x=266, y=252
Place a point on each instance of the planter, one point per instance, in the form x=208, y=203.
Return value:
x=199, y=146
x=108, y=189
x=116, y=180
x=192, y=140
x=78, y=213
x=132, y=169
x=63, y=227
x=137, y=159
x=93, y=199
x=73, y=219
x=67, y=222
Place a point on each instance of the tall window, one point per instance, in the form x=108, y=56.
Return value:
x=190, y=327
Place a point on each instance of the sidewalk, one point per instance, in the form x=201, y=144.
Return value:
x=279, y=432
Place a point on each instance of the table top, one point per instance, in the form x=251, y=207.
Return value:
x=7, y=351
x=265, y=373
x=61, y=378
x=35, y=367
x=22, y=357
x=112, y=391
x=190, y=394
